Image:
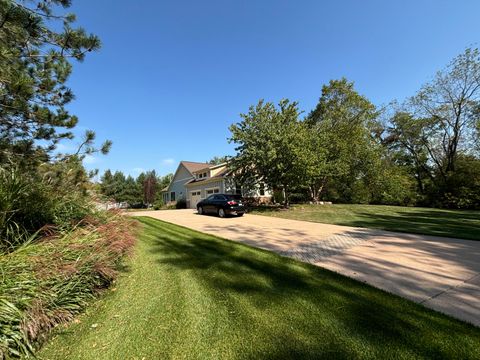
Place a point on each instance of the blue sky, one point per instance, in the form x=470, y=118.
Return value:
x=173, y=75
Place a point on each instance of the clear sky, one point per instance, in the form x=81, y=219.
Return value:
x=173, y=75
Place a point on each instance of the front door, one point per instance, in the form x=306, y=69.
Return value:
x=195, y=197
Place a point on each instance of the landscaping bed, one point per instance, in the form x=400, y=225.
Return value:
x=48, y=282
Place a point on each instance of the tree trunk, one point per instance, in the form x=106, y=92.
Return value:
x=286, y=203
x=316, y=189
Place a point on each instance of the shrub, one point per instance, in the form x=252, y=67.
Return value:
x=298, y=198
x=24, y=207
x=48, y=282
x=181, y=204
x=56, y=195
x=137, y=205
x=158, y=204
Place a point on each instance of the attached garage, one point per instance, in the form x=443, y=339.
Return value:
x=199, y=190
x=195, y=197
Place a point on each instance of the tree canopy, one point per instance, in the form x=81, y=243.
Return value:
x=347, y=150
x=439, y=127
x=38, y=42
x=269, y=144
x=143, y=190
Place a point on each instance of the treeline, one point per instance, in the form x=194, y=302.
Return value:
x=144, y=190
x=423, y=152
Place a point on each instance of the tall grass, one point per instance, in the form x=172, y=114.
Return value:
x=28, y=203
x=48, y=282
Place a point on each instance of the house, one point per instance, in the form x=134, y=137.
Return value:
x=195, y=181
x=185, y=173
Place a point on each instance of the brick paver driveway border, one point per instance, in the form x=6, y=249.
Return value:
x=440, y=273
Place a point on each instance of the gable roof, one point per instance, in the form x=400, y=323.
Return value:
x=190, y=166
x=209, y=167
x=194, y=166
x=221, y=174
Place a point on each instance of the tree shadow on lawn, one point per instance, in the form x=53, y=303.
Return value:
x=437, y=223
x=318, y=313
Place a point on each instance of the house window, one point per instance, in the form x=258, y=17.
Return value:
x=172, y=196
x=213, y=191
x=204, y=174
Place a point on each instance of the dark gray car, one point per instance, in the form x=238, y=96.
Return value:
x=222, y=205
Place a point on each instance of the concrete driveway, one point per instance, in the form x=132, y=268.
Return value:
x=440, y=273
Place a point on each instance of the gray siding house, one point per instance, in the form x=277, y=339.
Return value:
x=176, y=189
x=196, y=181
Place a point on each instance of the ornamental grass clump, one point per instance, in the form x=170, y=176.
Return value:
x=49, y=281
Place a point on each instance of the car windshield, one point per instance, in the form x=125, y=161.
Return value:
x=233, y=197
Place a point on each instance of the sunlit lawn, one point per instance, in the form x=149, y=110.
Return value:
x=190, y=295
x=429, y=221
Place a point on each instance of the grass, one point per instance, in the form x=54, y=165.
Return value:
x=49, y=281
x=428, y=221
x=190, y=295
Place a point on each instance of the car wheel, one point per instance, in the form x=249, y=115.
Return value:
x=200, y=210
x=221, y=213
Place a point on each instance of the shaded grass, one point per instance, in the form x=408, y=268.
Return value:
x=428, y=221
x=194, y=296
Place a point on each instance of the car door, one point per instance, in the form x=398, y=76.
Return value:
x=208, y=205
x=218, y=201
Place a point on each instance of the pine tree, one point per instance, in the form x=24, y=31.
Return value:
x=35, y=64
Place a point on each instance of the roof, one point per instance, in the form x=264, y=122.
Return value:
x=217, y=176
x=194, y=166
x=210, y=167
x=191, y=167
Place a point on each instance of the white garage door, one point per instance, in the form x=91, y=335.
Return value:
x=195, y=197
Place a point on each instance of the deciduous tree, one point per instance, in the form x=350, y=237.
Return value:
x=451, y=102
x=341, y=138
x=268, y=145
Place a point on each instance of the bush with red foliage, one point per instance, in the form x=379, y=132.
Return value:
x=48, y=282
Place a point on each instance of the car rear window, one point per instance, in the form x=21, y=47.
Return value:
x=233, y=197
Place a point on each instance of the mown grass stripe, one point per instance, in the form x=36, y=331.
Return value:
x=193, y=296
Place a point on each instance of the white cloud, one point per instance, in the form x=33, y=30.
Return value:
x=64, y=148
x=168, y=161
x=138, y=170
x=90, y=159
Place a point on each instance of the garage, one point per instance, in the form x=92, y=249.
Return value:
x=195, y=197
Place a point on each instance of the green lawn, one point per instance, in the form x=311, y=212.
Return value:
x=189, y=295
x=450, y=223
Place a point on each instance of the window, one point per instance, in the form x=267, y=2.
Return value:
x=213, y=191
x=195, y=193
x=233, y=197
x=172, y=196
x=262, y=189
x=219, y=197
x=200, y=176
x=204, y=174
x=210, y=198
